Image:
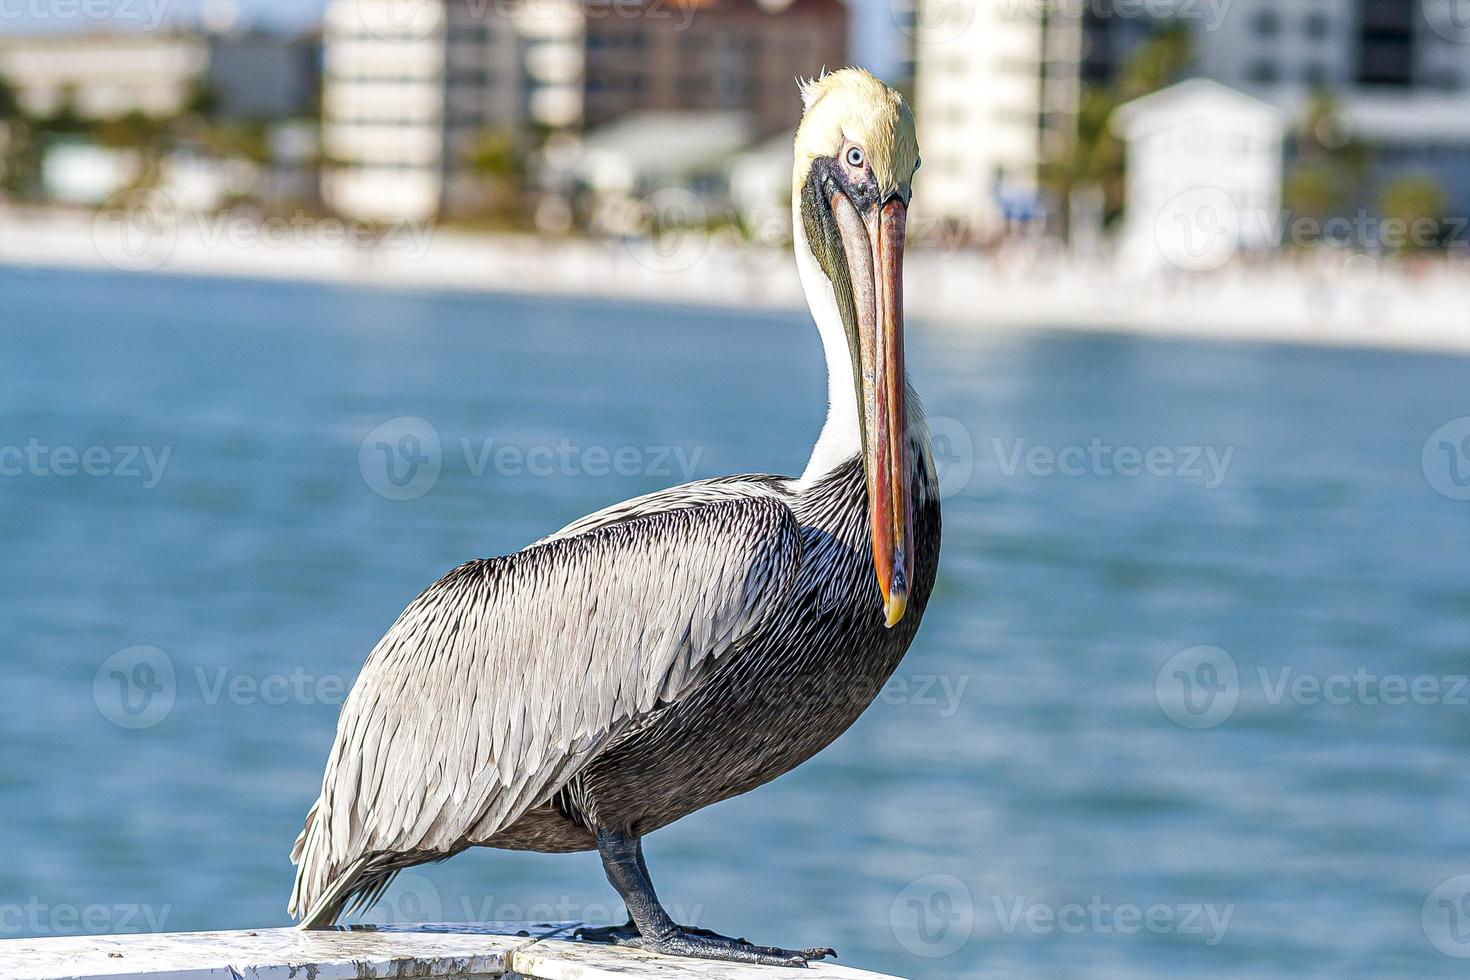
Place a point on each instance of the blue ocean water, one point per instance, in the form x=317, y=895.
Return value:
x=1189, y=699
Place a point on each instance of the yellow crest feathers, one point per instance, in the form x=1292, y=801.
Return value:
x=852, y=104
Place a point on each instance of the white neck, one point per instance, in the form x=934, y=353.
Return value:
x=841, y=437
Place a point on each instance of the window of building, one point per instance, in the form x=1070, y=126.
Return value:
x=1317, y=25
x=1263, y=71
x=1386, y=34
x=1266, y=23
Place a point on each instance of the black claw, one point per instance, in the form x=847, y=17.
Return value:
x=624, y=935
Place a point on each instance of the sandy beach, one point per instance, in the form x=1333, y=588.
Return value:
x=1328, y=298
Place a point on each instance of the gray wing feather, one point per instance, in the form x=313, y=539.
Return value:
x=503, y=678
x=696, y=494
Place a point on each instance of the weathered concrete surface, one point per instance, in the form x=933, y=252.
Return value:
x=556, y=959
x=490, y=951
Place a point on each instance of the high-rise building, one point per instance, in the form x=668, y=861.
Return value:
x=407, y=89
x=997, y=92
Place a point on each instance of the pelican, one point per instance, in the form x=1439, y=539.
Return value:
x=679, y=648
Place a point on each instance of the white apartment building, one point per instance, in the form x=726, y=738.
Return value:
x=996, y=91
x=407, y=88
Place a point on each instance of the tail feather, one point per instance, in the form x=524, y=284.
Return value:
x=324, y=892
x=352, y=893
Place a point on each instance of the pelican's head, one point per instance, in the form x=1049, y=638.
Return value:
x=856, y=153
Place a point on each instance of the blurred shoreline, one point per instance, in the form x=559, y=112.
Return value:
x=1321, y=297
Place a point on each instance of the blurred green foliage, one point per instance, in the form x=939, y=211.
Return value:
x=1330, y=167
x=1418, y=203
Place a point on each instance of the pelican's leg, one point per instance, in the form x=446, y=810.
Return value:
x=622, y=859
x=627, y=933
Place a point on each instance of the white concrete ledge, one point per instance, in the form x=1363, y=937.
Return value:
x=509, y=950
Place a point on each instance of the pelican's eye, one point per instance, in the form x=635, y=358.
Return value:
x=855, y=158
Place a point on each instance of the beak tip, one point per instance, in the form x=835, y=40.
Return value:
x=894, y=608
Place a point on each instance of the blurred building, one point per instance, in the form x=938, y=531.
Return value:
x=263, y=75
x=1204, y=176
x=689, y=55
x=997, y=91
x=410, y=90
x=760, y=186
x=103, y=76
x=1277, y=50
x=74, y=172
x=659, y=167
x=406, y=91
x=1397, y=71
x=999, y=82
x=81, y=173
x=1425, y=133
x=903, y=40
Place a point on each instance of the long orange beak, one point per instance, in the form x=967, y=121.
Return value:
x=874, y=247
